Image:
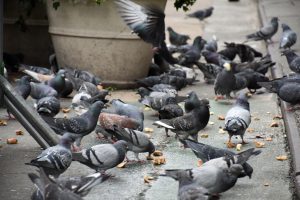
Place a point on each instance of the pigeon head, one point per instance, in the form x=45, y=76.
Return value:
x=66, y=140
x=61, y=73
x=169, y=29
x=242, y=100
x=229, y=45
x=121, y=146
x=151, y=148
x=274, y=20
x=204, y=102
x=97, y=107
x=285, y=27
x=25, y=79
x=227, y=67
x=199, y=42
x=143, y=92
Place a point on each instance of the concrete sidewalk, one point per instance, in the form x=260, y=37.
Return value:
x=230, y=22
x=288, y=12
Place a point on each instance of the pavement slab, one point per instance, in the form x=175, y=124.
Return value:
x=230, y=22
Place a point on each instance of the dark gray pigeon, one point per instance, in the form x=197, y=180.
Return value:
x=48, y=189
x=266, y=32
x=217, y=175
x=230, y=51
x=206, y=152
x=225, y=81
x=40, y=90
x=37, y=69
x=191, y=102
x=238, y=118
x=202, y=14
x=211, y=45
x=176, y=38
x=48, y=106
x=78, y=126
x=162, y=88
x=293, y=60
x=288, y=38
x=86, y=76
x=137, y=141
x=102, y=157
x=170, y=111
x=148, y=23
x=190, y=123
x=55, y=160
x=157, y=102
x=210, y=71
x=58, y=82
x=149, y=81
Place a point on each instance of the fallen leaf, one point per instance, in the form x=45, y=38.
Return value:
x=19, y=132
x=277, y=117
x=259, y=144
x=12, y=141
x=221, y=117
x=211, y=113
x=157, y=153
x=3, y=122
x=269, y=139
x=238, y=147
x=148, y=130
x=250, y=130
x=211, y=123
x=281, y=158
x=122, y=164
x=148, y=179
x=66, y=110
x=204, y=135
x=274, y=124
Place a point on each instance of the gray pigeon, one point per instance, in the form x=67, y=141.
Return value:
x=102, y=157
x=48, y=106
x=212, y=45
x=217, y=175
x=137, y=141
x=55, y=160
x=266, y=32
x=206, y=152
x=128, y=110
x=148, y=23
x=170, y=111
x=293, y=60
x=78, y=126
x=58, y=82
x=188, y=190
x=202, y=14
x=190, y=123
x=176, y=38
x=156, y=103
x=40, y=90
x=238, y=118
x=288, y=38
x=191, y=102
x=48, y=189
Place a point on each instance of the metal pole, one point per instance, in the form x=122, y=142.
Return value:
x=1, y=32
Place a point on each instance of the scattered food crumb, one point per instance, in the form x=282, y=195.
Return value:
x=12, y=141
x=281, y=158
x=66, y=110
x=19, y=132
x=148, y=130
x=204, y=135
x=238, y=147
x=259, y=144
x=221, y=117
x=274, y=124
x=148, y=179
x=122, y=164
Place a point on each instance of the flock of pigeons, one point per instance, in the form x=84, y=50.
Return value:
x=122, y=123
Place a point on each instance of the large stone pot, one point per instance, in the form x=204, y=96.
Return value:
x=94, y=37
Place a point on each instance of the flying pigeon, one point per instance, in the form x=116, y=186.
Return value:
x=202, y=14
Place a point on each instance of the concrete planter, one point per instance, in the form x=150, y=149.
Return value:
x=93, y=37
x=35, y=42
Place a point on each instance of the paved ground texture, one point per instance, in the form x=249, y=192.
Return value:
x=270, y=180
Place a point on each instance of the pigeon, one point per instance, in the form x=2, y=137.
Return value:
x=58, y=82
x=68, y=88
x=246, y=53
x=77, y=100
x=170, y=111
x=148, y=23
x=217, y=175
x=202, y=14
x=86, y=76
x=225, y=81
x=12, y=61
x=102, y=157
x=238, y=118
x=48, y=106
x=293, y=60
x=230, y=51
x=53, y=63
x=206, y=152
x=130, y=111
x=188, y=190
x=143, y=92
x=193, y=54
x=37, y=69
x=214, y=57
x=154, y=70
x=78, y=126
x=176, y=38
x=287, y=88
x=211, y=45
x=191, y=102
x=176, y=81
x=149, y=81
x=48, y=189
x=109, y=120
x=162, y=88
x=40, y=90
x=156, y=103
x=137, y=141
x=288, y=38
x=210, y=71
x=56, y=159
x=23, y=87
x=89, y=88
x=190, y=123
x=266, y=32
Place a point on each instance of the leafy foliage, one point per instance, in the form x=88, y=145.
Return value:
x=184, y=4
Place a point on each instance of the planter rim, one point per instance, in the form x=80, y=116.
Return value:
x=91, y=34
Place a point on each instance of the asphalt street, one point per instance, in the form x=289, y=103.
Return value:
x=271, y=178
